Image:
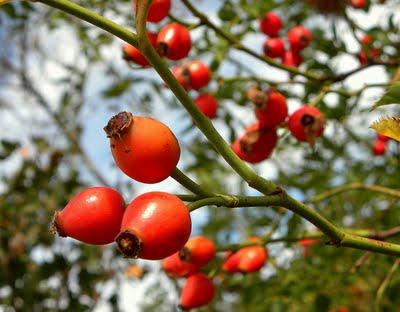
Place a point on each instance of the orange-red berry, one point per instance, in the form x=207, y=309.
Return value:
x=270, y=24
x=198, y=291
x=175, y=267
x=207, y=104
x=199, y=250
x=173, y=41
x=306, y=124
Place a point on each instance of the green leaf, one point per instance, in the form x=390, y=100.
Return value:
x=117, y=89
x=392, y=96
x=389, y=126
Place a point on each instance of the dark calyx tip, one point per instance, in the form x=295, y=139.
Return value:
x=162, y=48
x=182, y=308
x=129, y=244
x=55, y=228
x=307, y=120
x=118, y=124
x=185, y=254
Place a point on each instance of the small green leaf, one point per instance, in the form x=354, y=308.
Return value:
x=117, y=89
x=392, y=96
x=389, y=126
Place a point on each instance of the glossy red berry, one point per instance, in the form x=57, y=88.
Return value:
x=175, y=267
x=299, y=38
x=174, y=41
x=358, y=4
x=274, y=47
x=270, y=24
x=93, y=216
x=181, y=73
x=306, y=124
x=158, y=10
x=130, y=53
x=199, y=74
x=155, y=225
x=231, y=262
x=252, y=258
x=143, y=148
x=292, y=59
x=198, y=291
x=273, y=112
x=207, y=104
x=256, y=144
x=198, y=250
x=379, y=147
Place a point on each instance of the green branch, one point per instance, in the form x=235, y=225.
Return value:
x=93, y=18
x=188, y=183
x=382, y=288
x=353, y=186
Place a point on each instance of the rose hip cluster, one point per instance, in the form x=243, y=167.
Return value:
x=259, y=140
x=174, y=42
x=299, y=37
x=368, y=51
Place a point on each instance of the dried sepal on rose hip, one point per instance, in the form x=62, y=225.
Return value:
x=197, y=291
x=93, y=216
x=143, y=148
x=306, y=124
x=155, y=225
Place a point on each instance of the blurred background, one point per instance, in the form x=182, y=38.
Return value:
x=62, y=79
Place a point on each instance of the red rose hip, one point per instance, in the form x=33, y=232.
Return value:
x=174, y=267
x=273, y=112
x=155, y=225
x=299, y=38
x=306, y=124
x=270, y=24
x=143, y=148
x=292, y=59
x=158, y=10
x=198, y=291
x=130, y=53
x=93, y=216
x=252, y=258
x=207, y=104
x=256, y=144
x=199, y=74
x=198, y=250
x=274, y=47
x=174, y=41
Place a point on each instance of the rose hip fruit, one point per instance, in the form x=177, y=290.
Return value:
x=379, y=147
x=365, y=56
x=93, y=216
x=292, y=59
x=306, y=124
x=358, y=4
x=181, y=73
x=198, y=291
x=175, y=267
x=198, y=250
x=273, y=112
x=252, y=258
x=299, y=38
x=173, y=41
x=158, y=10
x=130, y=53
x=207, y=104
x=270, y=24
x=199, y=74
x=274, y=47
x=256, y=144
x=231, y=262
x=155, y=225
x=143, y=148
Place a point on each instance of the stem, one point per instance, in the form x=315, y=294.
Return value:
x=93, y=18
x=353, y=186
x=188, y=183
x=239, y=46
x=382, y=288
